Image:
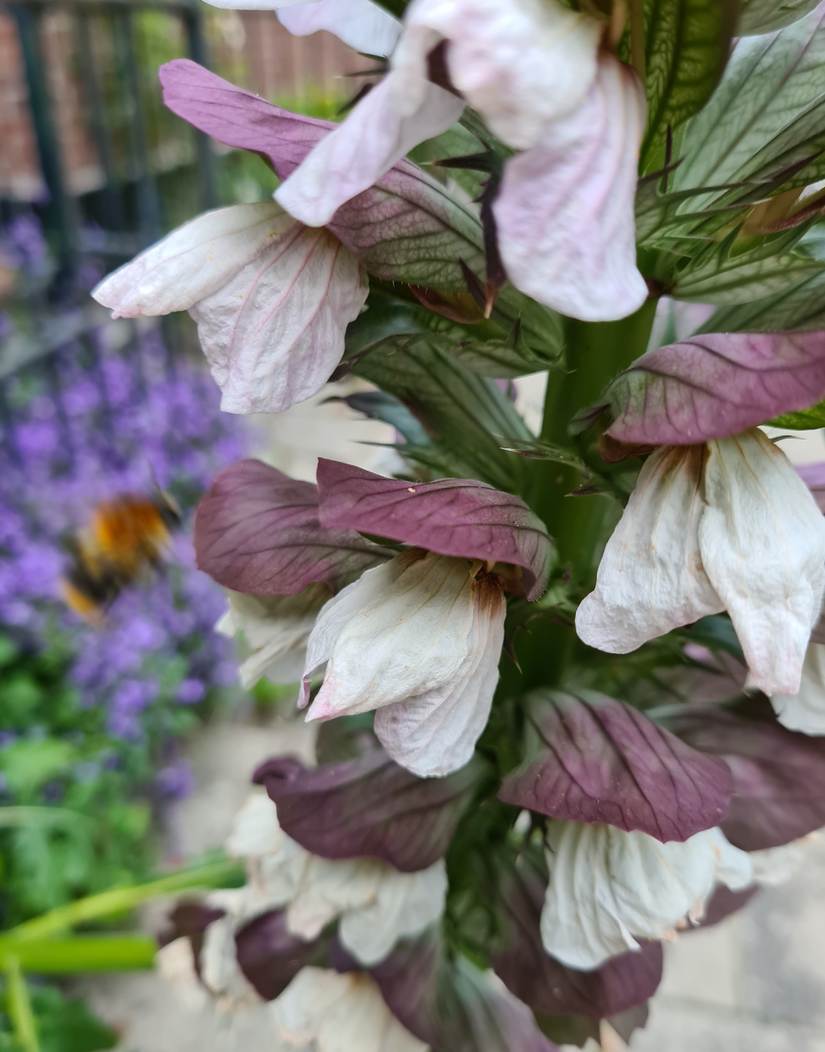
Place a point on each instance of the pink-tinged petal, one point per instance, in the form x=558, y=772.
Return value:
x=435, y=733
x=564, y=213
x=548, y=986
x=633, y=774
x=520, y=63
x=460, y=517
x=406, y=203
x=778, y=775
x=353, y=157
x=716, y=385
x=762, y=544
x=274, y=333
x=651, y=578
x=257, y=531
x=451, y=1004
x=360, y=23
x=369, y=807
x=238, y=118
x=193, y=261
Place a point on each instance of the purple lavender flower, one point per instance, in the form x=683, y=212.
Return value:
x=124, y=424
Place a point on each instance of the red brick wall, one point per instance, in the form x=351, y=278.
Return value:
x=252, y=48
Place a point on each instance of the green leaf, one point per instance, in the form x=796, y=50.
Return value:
x=766, y=16
x=378, y=405
x=462, y=412
x=484, y=347
x=724, y=279
x=538, y=449
x=28, y=765
x=767, y=114
x=802, y=306
x=67, y=1025
x=686, y=48
x=806, y=420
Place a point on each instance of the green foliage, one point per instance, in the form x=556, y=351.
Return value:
x=766, y=16
x=483, y=346
x=79, y=821
x=766, y=120
x=686, y=48
x=721, y=274
x=464, y=414
x=806, y=420
x=62, y=1024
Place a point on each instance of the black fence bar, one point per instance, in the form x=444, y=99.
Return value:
x=59, y=208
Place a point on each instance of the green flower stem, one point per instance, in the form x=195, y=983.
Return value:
x=19, y=1007
x=121, y=900
x=83, y=953
x=596, y=352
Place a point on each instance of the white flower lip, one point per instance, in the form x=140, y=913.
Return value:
x=275, y=629
x=418, y=639
x=377, y=905
x=565, y=210
x=324, y=1011
x=356, y=154
x=726, y=526
x=520, y=63
x=608, y=887
x=272, y=300
x=805, y=710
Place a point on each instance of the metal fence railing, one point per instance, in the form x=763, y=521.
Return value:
x=95, y=167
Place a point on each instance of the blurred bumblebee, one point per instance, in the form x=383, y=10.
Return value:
x=125, y=539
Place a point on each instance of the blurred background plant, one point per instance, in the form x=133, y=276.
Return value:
x=94, y=722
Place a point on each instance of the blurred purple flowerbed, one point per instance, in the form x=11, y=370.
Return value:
x=91, y=720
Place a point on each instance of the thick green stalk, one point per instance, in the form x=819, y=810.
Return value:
x=596, y=352
x=120, y=900
x=19, y=1007
x=83, y=953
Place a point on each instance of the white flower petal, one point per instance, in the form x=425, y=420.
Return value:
x=255, y=830
x=275, y=332
x=650, y=578
x=360, y=23
x=773, y=866
x=338, y=611
x=408, y=637
x=358, y=152
x=565, y=210
x=435, y=733
x=329, y=888
x=193, y=261
x=405, y=904
x=323, y=1011
x=276, y=880
x=805, y=710
x=275, y=629
x=608, y=887
x=520, y=63
x=762, y=540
